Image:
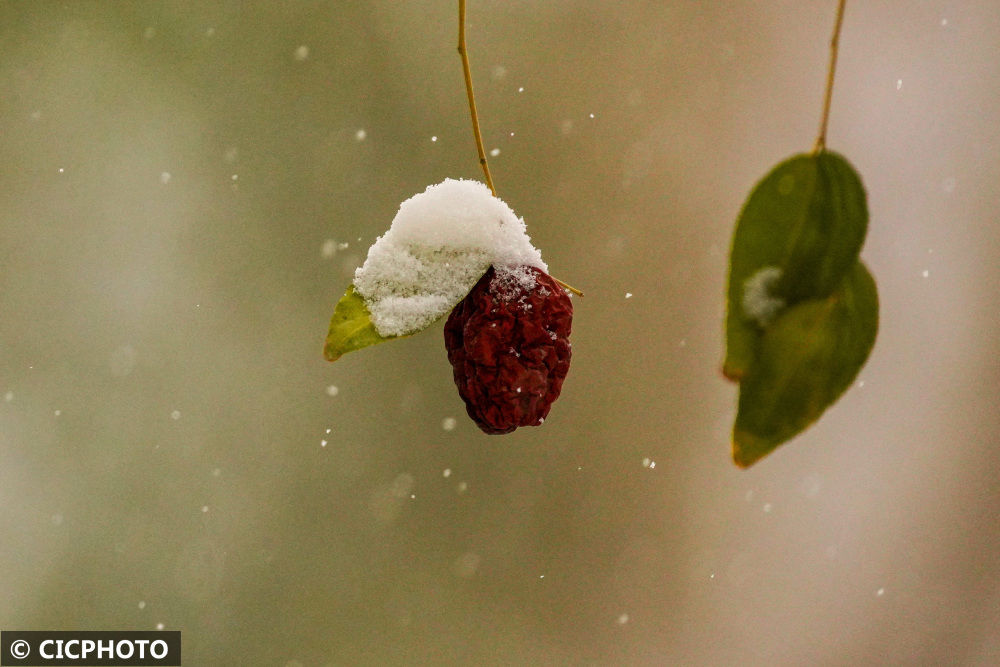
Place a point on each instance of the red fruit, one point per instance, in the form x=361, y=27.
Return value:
x=509, y=347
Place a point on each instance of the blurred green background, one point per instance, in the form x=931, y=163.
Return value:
x=187, y=187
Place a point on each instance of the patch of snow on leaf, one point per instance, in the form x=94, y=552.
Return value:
x=759, y=302
x=439, y=245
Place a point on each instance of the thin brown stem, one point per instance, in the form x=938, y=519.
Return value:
x=834, y=44
x=464, y=52
x=467, y=70
x=568, y=287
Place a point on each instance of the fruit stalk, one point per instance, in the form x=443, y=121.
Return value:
x=463, y=51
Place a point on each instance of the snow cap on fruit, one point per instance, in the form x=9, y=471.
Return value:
x=440, y=243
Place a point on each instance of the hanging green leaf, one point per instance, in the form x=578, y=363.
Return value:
x=799, y=233
x=351, y=327
x=801, y=308
x=807, y=357
x=802, y=311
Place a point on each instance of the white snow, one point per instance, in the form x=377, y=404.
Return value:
x=440, y=243
x=402, y=485
x=467, y=564
x=758, y=301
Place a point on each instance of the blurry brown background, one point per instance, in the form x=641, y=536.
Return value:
x=186, y=188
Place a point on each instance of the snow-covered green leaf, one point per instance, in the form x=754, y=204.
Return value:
x=440, y=243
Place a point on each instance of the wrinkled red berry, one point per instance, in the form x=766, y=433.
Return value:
x=509, y=348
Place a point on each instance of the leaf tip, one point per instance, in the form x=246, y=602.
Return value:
x=732, y=373
x=351, y=327
x=330, y=354
x=748, y=449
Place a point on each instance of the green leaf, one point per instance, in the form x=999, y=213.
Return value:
x=808, y=356
x=351, y=327
x=807, y=219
